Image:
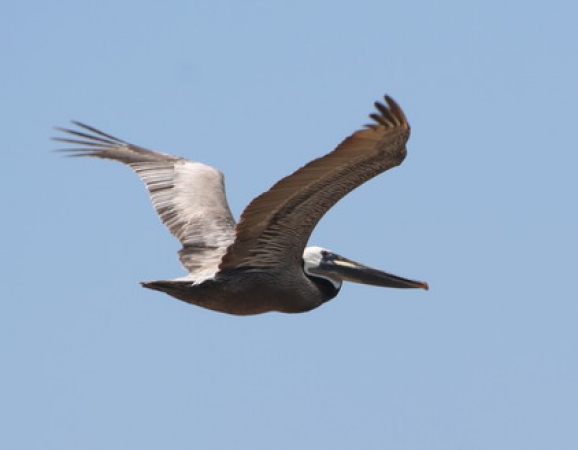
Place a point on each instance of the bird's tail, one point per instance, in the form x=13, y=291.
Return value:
x=167, y=286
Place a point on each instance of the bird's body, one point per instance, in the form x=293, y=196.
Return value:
x=276, y=289
x=260, y=264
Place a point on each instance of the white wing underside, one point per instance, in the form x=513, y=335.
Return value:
x=188, y=196
x=190, y=200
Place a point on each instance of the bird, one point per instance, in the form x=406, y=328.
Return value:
x=262, y=263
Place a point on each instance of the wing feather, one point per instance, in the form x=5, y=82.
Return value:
x=188, y=196
x=275, y=227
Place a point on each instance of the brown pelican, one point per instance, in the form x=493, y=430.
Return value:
x=260, y=264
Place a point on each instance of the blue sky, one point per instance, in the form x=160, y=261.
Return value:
x=483, y=208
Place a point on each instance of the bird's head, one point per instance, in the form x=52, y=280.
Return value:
x=321, y=263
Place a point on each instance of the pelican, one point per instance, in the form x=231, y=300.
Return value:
x=260, y=264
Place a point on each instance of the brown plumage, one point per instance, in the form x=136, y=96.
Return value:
x=261, y=264
x=277, y=224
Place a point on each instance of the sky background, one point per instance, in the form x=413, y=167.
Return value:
x=484, y=208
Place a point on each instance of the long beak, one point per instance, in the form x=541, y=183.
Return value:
x=349, y=270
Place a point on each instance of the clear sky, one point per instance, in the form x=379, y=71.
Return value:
x=484, y=208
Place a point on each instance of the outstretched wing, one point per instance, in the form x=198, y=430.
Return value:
x=188, y=196
x=275, y=227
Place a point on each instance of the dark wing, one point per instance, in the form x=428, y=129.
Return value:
x=275, y=227
x=188, y=196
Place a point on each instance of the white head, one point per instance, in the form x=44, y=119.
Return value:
x=314, y=259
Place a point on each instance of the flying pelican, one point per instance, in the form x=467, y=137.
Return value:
x=260, y=264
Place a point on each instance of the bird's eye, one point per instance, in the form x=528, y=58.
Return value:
x=326, y=256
